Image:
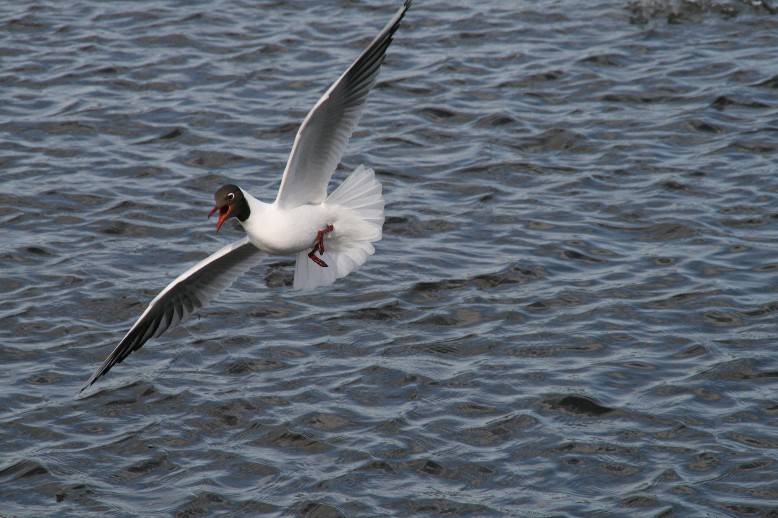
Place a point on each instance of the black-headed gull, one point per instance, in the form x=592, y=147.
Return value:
x=331, y=235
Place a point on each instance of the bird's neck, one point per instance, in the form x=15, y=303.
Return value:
x=255, y=207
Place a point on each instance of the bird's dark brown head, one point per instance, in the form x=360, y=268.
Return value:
x=230, y=202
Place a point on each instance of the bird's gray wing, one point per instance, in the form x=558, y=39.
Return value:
x=189, y=291
x=324, y=133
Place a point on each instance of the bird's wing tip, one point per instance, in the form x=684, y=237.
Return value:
x=86, y=385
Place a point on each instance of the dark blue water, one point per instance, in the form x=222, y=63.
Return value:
x=572, y=311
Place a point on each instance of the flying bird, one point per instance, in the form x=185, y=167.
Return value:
x=330, y=235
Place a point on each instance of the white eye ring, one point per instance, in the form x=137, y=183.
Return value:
x=231, y=196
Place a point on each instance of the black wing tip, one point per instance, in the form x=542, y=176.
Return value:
x=85, y=386
x=118, y=355
x=388, y=31
x=99, y=373
x=88, y=384
x=401, y=14
x=373, y=56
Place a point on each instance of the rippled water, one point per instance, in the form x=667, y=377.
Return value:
x=572, y=311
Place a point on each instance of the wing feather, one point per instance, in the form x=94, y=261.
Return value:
x=191, y=290
x=323, y=135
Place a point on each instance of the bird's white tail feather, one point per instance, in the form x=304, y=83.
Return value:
x=359, y=222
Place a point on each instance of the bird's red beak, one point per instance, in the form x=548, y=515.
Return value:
x=224, y=212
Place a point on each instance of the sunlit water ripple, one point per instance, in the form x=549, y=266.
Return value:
x=572, y=310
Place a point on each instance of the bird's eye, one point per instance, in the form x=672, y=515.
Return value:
x=231, y=196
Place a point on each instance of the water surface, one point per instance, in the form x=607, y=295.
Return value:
x=572, y=310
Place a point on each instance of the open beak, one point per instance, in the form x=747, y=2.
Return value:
x=224, y=212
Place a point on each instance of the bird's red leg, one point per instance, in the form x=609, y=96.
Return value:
x=316, y=259
x=320, y=237
x=319, y=246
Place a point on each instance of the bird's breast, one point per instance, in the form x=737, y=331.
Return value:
x=283, y=232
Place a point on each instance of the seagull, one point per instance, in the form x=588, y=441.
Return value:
x=330, y=235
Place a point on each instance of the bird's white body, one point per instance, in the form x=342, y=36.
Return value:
x=356, y=212
x=284, y=232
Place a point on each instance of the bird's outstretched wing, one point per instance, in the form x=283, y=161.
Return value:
x=324, y=133
x=191, y=290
